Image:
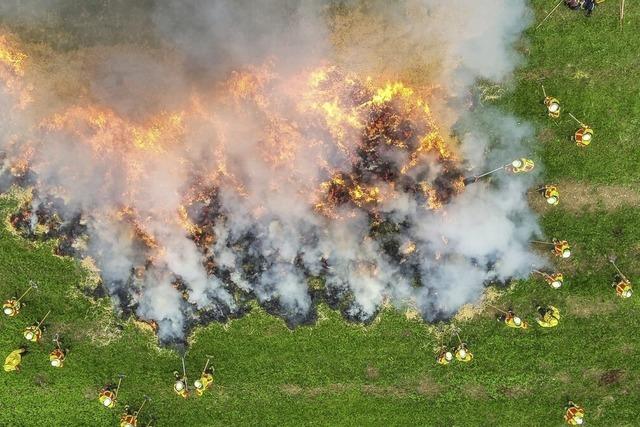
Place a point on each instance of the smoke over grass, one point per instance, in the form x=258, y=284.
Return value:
x=241, y=149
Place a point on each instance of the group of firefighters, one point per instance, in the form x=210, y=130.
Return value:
x=548, y=316
x=582, y=137
x=205, y=382
x=108, y=395
x=33, y=334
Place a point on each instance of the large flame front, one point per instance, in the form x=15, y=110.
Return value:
x=246, y=191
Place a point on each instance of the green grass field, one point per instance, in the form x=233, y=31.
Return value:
x=336, y=373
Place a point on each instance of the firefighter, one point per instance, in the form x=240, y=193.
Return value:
x=623, y=288
x=511, y=320
x=621, y=284
x=180, y=385
x=107, y=397
x=205, y=381
x=549, y=316
x=583, y=136
x=56, y=358
x=553, y=106
x=463, y=354
x=13, y=360
x=128, y=419
x=444, y=356
x=551, y=194
x=561, y=248
x=57, y=355
x=33, y=333
x=11, y=307
x=574, y=414
x=555, y=280
x=520, y=166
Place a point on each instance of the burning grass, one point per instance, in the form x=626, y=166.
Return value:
x=370, y=145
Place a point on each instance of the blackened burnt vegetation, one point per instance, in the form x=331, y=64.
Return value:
x=396, y=147
x=43, y=220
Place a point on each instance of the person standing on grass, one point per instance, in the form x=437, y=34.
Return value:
x=574, y=414
x=204, y=382
x=33, y=333
x=107, y=397
x=56, y=358
x=180, y=385
x=444, y=356
x=551, y=194
x=13, y=360
x=555, y=280
x=549, y=316
x=623, y=288
x=11, y=307
x=463, y=354
x=511, y=320
x=58, y=354
x=128, y=418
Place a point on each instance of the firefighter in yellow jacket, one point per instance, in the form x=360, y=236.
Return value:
x=583, y=136
x=128, y=419
x=549, y=316
x=205, y=381
x=520, y=166
x=551, y=194
x=511, y=320
x=553, y=106
x=33, y=333
x=623, y=288
x=463, y=354
x=574, y=414
x=13, y=360
x=180, y=385
x=444, y=356
x=107, y=397
x=554, y=280
x=561, y=248
x=11, y=307
x=57, y=357
x=621, y=284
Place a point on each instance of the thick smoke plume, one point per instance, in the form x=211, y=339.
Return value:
x=265, y=150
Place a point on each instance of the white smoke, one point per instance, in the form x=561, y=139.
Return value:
x=480, y=236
